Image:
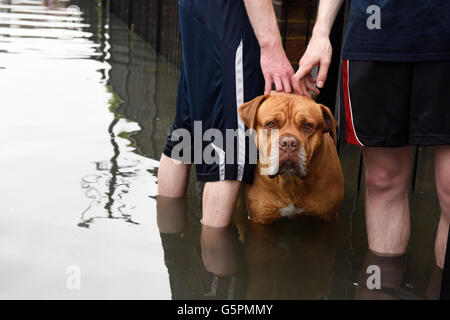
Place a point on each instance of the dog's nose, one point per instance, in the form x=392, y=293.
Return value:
x=288, y=144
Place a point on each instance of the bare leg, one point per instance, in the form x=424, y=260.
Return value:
x=219, y=201
x=442, y=172
x=172, y=177
x=387, y=209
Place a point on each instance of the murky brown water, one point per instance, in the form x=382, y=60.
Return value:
x=85, y=107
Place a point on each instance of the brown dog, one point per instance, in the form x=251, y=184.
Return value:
x=298, y=170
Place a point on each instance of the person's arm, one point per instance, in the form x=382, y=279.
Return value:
x=275, y=66
x=319, y=49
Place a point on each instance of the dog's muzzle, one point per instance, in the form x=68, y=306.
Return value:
x=292, y=158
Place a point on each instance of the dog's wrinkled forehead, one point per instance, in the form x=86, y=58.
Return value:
x=290, y=106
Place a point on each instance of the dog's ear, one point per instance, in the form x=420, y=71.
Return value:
x=248, y=111
x=330, y=123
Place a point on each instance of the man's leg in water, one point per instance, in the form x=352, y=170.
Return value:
x=388, y=173
x=172, y=177
x=219, y=200
x=442, y=172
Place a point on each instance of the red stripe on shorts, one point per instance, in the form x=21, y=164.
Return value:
x=350, y=133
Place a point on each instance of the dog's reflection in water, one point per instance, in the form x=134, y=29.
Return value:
x=291, y=259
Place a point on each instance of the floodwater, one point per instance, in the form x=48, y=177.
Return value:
x=85, y=107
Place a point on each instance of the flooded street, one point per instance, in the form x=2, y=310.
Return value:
x=74, y=192
x=85, y=108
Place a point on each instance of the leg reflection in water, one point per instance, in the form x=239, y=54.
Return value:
x=434, y=285
x=390, y=274
x=202, y=264
x=172, y=226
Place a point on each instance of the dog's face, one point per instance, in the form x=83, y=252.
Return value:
x=289, y=130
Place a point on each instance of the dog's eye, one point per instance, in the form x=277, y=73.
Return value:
x=270, y=124
x=307, y=126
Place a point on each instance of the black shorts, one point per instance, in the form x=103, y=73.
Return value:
x=220, y=71
x=394, y=104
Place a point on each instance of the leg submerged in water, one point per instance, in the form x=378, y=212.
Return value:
x=219, y=200
x=172, y=177
x=442, y=172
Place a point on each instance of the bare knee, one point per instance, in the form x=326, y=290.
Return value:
x=443, y=185
x=221, y=193
x=387, y=170
x=383, y=179
x=172, y=177
x=219, y=200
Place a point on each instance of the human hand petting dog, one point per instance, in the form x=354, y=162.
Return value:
x=275, y=66
x=318, y=53
x=277, y=69
x=319, y=50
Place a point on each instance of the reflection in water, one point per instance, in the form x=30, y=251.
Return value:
x=67, y=126
x=391, y=271
x=128, y=71
x=287, y=260
x=392, y=280
x=202, y=264
x=116, y=178
x=88, y=106
x=435, y=285
x=290, y=260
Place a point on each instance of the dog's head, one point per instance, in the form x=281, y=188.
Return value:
x=289, y=129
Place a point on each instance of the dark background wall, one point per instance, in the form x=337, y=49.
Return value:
x=154, y=20
x=157, y=22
